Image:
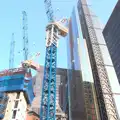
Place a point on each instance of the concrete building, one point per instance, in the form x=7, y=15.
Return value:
x=16, y=107
x=61, y=79
x=111, y=33
x=88, y=53
x=16, y=84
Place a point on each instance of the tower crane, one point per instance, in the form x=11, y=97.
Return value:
x=11, y=57
x=25, y=42
x=28, y=63
x=53, y=31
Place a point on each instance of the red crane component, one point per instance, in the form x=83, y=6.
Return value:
x=12, y=71
x=31, y=64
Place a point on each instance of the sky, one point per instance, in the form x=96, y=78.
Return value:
x=11, y=22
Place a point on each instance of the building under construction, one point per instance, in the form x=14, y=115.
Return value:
x=16, y=93
x=84, y=91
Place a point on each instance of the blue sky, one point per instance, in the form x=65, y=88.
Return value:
x=11, y=21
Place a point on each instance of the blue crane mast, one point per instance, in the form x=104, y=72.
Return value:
x=25, y=36
x=11, y=57
x=53, y=31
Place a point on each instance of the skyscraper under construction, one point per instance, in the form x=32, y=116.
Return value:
x=88, y=53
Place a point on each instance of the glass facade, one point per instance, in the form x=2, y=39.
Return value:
x=111, y=33
x=82, y=99
x=72, y=50
x=104, y=76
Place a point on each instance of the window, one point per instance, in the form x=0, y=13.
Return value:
x=92, y=106
x=86, y=91
x=90, y=96
x=18, y=95
x=91, y=101
x=94, y=117
x=16, y=104
x=93, y=111
x=14, y=114
x=90, y=91
x=86, y=101
x=89, y=117
x=89, y=111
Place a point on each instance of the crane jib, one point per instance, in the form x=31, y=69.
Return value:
x=49, y=10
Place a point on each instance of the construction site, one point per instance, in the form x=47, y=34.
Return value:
x=87, y=89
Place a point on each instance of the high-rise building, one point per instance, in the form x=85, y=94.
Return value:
x=111, y=33
x=61, y=79
x=81, y=91
x=88, y=53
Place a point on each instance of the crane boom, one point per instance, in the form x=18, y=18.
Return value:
x=11, y=57
x=49, y=10
x=25, y=36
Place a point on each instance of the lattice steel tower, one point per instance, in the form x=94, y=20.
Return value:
x=25, y=36
x=53, y=31
x=12, y=47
